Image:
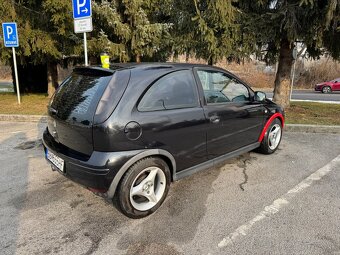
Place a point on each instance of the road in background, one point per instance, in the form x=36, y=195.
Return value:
x=6, y=86
x=276, y=204
x=311, y=95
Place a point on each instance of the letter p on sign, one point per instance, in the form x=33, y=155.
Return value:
x=10, y=34
x=81, y=9
x=80, y=6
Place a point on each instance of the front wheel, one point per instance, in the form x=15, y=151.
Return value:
x=144, y=187
x=326, y=89
x=272, y=138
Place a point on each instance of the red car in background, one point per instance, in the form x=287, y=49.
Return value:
x=328, y=86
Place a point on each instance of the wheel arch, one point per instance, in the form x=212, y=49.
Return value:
x=163, y=154
x=278, y=116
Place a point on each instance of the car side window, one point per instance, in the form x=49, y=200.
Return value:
x=174, y=91
x=219, y=87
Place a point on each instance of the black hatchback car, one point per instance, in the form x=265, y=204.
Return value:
x=128, y=131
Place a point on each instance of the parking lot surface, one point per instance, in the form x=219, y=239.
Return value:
x=285, y=203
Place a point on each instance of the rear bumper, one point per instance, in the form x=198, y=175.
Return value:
x=96, y=172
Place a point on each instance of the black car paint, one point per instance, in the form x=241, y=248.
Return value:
x=183, y=137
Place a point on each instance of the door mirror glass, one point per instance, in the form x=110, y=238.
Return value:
x=260, y=96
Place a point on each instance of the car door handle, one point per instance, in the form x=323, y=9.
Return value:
x=214, y=119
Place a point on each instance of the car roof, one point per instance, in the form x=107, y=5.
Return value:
x=148, y=66
x=156, y=64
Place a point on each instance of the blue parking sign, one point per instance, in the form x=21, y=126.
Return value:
x=81, y=9
x=10, y=34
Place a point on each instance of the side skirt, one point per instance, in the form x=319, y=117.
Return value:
x=214, y=162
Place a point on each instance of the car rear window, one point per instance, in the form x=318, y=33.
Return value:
x=78, y=95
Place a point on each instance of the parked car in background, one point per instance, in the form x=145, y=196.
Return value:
x=128, y=131
x=328, y=86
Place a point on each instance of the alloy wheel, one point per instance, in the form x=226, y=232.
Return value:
x=274, y=136
x=147, y=188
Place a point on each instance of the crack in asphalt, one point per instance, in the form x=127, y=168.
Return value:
x=245, y=179
x=245, y=160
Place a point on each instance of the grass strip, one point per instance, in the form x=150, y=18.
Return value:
x=313, y=113
x=31, y=104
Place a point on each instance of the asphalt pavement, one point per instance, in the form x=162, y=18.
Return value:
x=285, y=203
x=311, y=95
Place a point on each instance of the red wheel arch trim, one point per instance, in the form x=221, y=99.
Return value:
x=266, y=126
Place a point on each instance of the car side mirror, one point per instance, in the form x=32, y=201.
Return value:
x=260, y=96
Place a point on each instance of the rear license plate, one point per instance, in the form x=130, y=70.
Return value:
x=55, y=160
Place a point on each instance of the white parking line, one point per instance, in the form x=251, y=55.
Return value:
x=284, y=200
x=314, y=101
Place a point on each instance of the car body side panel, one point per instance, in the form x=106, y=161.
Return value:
x=179, y=131
x=239, y=125
x=336, y=86
x=231, y=125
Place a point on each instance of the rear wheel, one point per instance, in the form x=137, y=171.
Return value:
x=272, y=138
x=326, y=89
x=144, y=187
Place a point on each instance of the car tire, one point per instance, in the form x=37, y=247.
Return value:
x=272, y=138
x=144, y=187
x=326, y=90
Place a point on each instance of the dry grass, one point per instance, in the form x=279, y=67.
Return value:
x=313, y=113
x=34, y=104
x=312, y=72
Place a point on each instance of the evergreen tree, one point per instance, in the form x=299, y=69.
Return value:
x=45, y=33
x=277, y=24
x=205, y=28
x=129, y=29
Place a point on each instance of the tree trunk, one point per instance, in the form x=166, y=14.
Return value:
x=187, y=56
x=283, y=74
x=52, y=70
x=211, y=60
x=137, y=58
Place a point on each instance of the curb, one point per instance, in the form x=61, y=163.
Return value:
x=287, y=128
x=23, y=118
x=312, y=128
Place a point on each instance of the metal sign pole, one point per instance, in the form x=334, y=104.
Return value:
x=85, y=50
x=16, y=74
x=82, y=19
x=292, y=82
x=292, y=74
